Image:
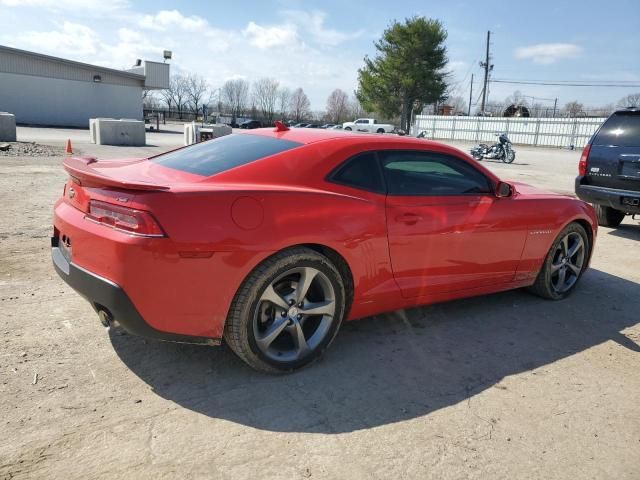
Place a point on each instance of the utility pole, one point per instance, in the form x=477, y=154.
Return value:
x=470, y=96
x=555, y=104
x=487, y=68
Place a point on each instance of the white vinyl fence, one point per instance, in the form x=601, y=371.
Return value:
x=548, y=132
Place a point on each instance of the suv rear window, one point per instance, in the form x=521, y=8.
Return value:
x=621, y=129
x=224, y=153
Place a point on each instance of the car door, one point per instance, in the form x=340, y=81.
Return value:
x=447, y=231
x=362, y=125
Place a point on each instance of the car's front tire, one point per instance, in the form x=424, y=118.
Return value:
x=348, y=129
x=564, y=264
x=287, y=312
x=608, y=217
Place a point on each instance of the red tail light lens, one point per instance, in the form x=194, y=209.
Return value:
x=582, y=165
x=128, y=220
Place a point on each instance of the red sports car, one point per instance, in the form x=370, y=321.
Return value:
x=271, y=238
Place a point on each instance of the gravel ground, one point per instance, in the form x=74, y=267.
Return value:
x=503, y=386
x=29, y=149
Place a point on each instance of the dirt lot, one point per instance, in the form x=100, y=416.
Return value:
x=503, y=386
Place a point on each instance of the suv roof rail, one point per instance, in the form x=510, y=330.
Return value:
x=628, y=109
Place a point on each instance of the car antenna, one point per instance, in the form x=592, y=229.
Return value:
x=280, y=127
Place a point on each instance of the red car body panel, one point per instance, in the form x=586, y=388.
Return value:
x=401, y=251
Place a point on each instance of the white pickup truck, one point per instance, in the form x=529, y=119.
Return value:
x=370, y=125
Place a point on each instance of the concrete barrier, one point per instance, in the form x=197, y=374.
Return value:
x=109, y=131
x=7, y=127
x=196, y=133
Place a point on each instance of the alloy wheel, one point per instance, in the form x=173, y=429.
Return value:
x=567, y=262
x=294, y=314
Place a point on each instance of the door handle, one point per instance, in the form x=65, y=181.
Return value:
x=408, y=218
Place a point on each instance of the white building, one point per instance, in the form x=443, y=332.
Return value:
x=43, y=90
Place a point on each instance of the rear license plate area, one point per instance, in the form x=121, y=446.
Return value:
x=630, y=201
x=630, y=169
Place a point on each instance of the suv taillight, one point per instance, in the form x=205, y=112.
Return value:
x=582, y=165
x=127, y=220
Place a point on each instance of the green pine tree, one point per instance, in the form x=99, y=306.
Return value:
x=408, y=71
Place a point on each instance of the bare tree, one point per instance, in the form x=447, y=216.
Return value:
x=196, y=89
x=265, y=94
x=631, y=100
x=337, y=106
x=176, y=94
x=517, y=99
x=167, y=95
x=355, y=107
x=150, y=100
x=284, y=102
x=604, y=110
x=300, y=105
x=573, y=108
x=235, y=94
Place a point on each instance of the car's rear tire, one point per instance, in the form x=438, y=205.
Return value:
x=380, y=130
x=564, y=264
x=608, y=217
x=269, y=325
x=348, y=129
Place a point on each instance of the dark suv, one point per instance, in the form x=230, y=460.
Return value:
x=609, y=169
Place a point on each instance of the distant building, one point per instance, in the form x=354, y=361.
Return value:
x=44, y=90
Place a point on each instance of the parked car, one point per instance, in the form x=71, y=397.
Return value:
x=336, y=127
x=328, y=125
x=251, y=124
x=300, y=125
x=312, y=125
x=271, y=239
x=609, y=168
x=370, y=125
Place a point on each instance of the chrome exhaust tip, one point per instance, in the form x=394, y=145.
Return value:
x=105, y=318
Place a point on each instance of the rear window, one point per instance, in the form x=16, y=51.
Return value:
x=621, y=129
x=224, y=153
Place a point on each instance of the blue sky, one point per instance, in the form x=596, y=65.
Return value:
x=320, y=45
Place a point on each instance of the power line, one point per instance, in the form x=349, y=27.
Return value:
x=564, y=84
x=569, y=81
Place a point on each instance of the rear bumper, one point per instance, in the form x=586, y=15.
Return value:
x=610, y=197
x=105, y=295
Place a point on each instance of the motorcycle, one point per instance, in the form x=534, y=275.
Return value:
x=503, y=150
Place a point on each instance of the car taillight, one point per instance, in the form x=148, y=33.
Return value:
x=128, y=220
x=582, y=165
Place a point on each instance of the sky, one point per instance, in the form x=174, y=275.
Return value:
x=319, y=46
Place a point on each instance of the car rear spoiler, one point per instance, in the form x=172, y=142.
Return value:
x=79, y=168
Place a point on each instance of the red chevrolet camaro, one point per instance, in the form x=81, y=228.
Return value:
x=271, y=238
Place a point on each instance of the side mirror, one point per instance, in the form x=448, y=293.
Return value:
x=503, y=190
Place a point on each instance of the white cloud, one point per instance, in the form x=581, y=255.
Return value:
x=546, y=53
x=70, y=38
x=266, y=37
x=313, y=23
x=165, y=19
x=116, y=39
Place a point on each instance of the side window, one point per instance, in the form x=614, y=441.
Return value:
x=360, y=172
x=427, y=173
x=361, y=121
